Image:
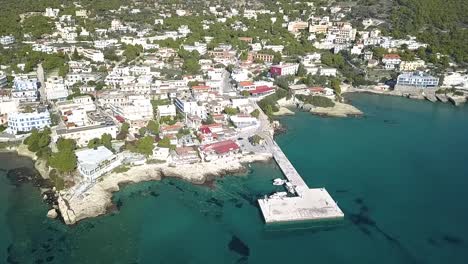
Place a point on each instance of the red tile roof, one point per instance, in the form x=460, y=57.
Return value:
x=205, y=130
x=200, y=87
x=120, y=119
x=212, y=125
x=221, y=147
x=246, y=83
x=261, y=89
x=316, y=89
x=391, y=56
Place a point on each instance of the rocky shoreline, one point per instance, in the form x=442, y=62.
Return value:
x=33, y=174
x=443, y=98
x=339, y=110
x=97, y=200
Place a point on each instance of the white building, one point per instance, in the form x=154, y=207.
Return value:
x=82, y=135
x=51, y=12
x=93, y=163
x=327, y=72
x=81, y=13
x=275, y=48
x=166, y=110
x=136, y=108
x=190, y=108
x=73, y=78
x=3, y=79
x=25, y=122
x=200, y=47
x=94, y=55
x=391, y=61
x=457, y=79
x=411, y=65
x=244, y=121
x=7, y=40
x=417, y=79
x=55, y=89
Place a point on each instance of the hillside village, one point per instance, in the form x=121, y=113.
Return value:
x=97, y=92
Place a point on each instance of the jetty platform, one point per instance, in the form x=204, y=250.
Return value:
x=308, y=204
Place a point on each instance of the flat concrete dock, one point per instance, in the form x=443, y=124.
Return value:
x=309, y=204
x=314, y=204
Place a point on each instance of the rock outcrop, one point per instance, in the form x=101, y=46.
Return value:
x=339, y=110
x=52, y=213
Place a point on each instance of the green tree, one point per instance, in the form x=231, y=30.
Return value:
x=94, y=143
x=132, y=52
x=142, y=131
x=165, y=142
x=37, y=26
x=123, y=133
x=153, y=127
x=145, y=146
x=255, y=113
x=245, y=93
x=301, y=71
x=75, y=55
x=66, y=144
x=106, y=141
x=335, y=85
x=231, y=110
x=63, y=161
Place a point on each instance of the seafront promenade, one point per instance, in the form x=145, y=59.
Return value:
x=308, y=204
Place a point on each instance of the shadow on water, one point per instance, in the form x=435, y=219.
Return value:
x=299, y=228
x=363, y=221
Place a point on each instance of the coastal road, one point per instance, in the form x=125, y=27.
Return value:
x=41, y=78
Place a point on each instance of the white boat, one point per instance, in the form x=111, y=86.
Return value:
x=290, y=188
x=278, y=195
x=278, y=181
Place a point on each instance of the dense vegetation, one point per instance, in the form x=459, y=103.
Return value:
x=440, y=23
x=318, y=101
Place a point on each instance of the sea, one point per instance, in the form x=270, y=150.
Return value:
x=399, y=173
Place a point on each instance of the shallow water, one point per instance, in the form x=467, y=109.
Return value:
x=399, y=173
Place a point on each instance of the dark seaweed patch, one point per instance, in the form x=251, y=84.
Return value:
x=239, y=246
x=26, y=174
x=248, y=198
x=365, y=231
x=50, y=258
x=39, y=261
x=242, y=260
x=215, y=201
x=180, y=189
x=239, y=205
x=390, y=122
x=453, y=240
x=119, y=204
x=359, y=201
x=154, y=194
x=433, y=242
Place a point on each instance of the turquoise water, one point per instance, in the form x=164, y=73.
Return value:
x=399, y=173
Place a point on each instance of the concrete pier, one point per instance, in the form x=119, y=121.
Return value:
x=309, y=204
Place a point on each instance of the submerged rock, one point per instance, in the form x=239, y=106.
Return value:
x=52, y=213
x=239, y=246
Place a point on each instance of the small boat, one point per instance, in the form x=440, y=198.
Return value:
x=278, y=195
x=278, y=181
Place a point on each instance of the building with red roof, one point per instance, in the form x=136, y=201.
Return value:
x=391, y=61
x=261, y=91
x=218, y=150
x=246, y=85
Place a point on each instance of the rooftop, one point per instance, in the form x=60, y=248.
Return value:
x=91, y=158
